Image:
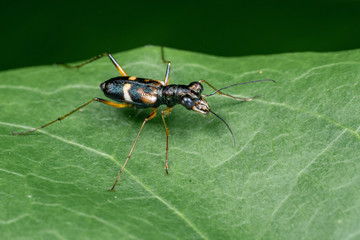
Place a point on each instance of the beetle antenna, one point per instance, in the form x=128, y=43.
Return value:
x=263, y=80
x=227, y=125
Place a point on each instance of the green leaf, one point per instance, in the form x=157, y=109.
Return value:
x=294, y=173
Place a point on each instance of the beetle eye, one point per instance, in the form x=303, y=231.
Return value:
x=187, y=102
x=196, y=87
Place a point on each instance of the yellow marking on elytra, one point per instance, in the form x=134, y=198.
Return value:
x=150, y=98
x=132, y=78
x=126, y=89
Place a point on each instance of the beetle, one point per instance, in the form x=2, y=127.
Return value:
x=129, y=91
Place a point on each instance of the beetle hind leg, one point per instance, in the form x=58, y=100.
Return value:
x=117, y=105
x=116, y=64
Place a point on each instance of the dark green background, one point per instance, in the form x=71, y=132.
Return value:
x=45, y=32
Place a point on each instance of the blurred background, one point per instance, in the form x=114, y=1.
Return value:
x=47, y=32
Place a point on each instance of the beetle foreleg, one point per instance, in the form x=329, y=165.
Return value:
x=226, y=95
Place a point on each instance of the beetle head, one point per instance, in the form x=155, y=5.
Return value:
x=192, y=99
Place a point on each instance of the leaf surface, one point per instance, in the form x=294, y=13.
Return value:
x=294, y=173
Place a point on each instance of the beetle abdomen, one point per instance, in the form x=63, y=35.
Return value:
x=142, y=93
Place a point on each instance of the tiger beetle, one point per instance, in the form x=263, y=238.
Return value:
x=129, y=91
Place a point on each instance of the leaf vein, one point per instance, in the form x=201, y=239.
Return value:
x=168, y=205
x=241, y=149
x=316, y=115
x=323, y=66
x=13, y=220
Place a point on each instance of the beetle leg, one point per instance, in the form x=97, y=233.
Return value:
x=167, y=73
x=118, y=67
x=163, y=55
x=151, y=116
x=226, y=95
x=113, y=104
x=163, y=114
x=117, y=105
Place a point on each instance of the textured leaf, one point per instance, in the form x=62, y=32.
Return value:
x=294, y=173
